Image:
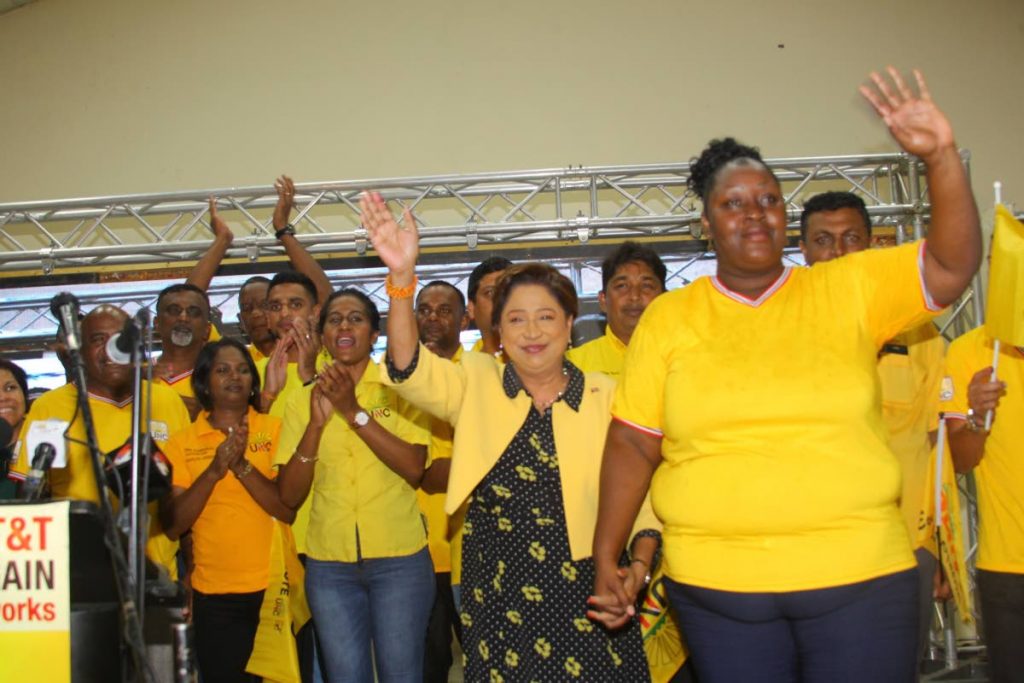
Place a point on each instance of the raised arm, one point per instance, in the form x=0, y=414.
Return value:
x=203, y=272
x=953, y=253
x=398, y=248
x=301, y=259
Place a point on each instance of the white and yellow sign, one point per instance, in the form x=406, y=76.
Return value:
x=35, y=600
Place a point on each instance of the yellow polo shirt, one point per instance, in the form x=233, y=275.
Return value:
x=777, y=475
x=232, y=535
x=605, y=354
x=113, y=422
x=359, y=507
x=910, y=369
x=1000, y=474
x=181, y=384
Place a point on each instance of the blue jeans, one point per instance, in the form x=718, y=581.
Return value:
x=848, y=634
x=385, y=601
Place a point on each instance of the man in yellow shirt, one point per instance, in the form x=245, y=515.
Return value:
x=480, y=291
x=109, y=386
x=832, y=225
x=968, y=393
x=440, y=316
x=631, y=277
x=183, y=323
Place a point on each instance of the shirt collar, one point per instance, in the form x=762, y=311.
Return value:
x=572, y=395
x=614, y=340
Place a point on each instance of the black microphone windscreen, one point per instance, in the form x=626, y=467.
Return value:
x=60, y=300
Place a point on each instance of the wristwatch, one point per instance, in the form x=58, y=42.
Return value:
x=360, y=419
x=973, y=424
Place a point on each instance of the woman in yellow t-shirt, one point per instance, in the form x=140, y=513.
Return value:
x=230, y=517
x=749, y=406
x=360, y=452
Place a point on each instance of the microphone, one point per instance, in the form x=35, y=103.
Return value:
x=120, y=346
x=41, y=462
x=64, y=308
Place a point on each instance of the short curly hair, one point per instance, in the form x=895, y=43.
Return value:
x=719, y=153
x=558, y=285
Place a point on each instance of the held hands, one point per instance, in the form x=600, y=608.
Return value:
x=615, y=591
x=230, y=453
x=221, y=231
x=339, y=387
x=285, y=200
x=915, y=123
x=396, y=246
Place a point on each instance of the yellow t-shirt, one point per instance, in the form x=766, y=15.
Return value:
x=910, y=369
x=360, y=508
x=605, y=354
x=256, y=354
x=292, y=385
x=113, y=422
x=776, y=473
x=181, y=384
x=1000, y=474
x=232, y=535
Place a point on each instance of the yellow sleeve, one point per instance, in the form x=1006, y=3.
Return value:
x=640, y=395
x=175, y=452
x=294, y=423
x=891, y=284
x=436, y=386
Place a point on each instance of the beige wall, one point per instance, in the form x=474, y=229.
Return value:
x=119, y=96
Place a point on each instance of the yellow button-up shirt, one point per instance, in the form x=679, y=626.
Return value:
x=359, y=508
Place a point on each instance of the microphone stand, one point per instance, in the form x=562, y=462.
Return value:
x=133, y=634
x=138, y=521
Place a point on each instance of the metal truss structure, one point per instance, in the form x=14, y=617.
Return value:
x=560, y=215
x=562, y=210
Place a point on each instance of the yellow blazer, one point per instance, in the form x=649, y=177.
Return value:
x=470, y=396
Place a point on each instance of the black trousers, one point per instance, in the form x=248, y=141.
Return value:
x=437, y=657
x=225, y=628
x=1002, y=613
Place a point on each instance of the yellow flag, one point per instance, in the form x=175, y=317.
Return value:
x=950, y=536
x=663, y=642
x=283, y=613
x=1004, y=314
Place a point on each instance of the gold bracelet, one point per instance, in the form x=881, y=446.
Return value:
x=306, y=460
x=400, y=292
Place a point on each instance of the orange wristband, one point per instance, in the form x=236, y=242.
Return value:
x=400, y=292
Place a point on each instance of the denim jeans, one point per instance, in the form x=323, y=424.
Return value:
x=385, y=601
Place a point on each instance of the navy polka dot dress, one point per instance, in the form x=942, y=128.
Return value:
x=523, y=597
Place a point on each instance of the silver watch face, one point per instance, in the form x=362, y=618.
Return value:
x=362, y=418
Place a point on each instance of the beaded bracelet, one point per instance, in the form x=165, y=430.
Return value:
x=400, y=292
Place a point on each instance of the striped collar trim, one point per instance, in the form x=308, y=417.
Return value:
x=174, y=379
x=104, y=399
x=765, y=295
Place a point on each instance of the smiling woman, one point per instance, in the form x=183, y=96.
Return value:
x=360, y=451
x=753, y=396
x=525, y=460
x=230, y=517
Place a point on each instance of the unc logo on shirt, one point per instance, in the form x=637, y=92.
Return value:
x=260, y=442
x=158, y=430
x=382, y=411
x=946, y=389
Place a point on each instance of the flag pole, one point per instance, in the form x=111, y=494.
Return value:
x=997, y=187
